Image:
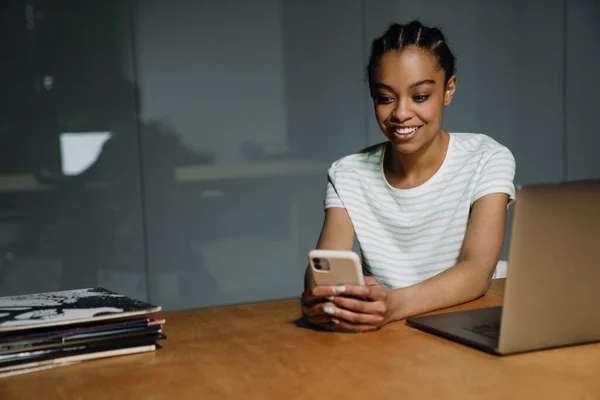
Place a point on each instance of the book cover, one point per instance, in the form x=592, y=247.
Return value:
x=46, y=333
x=25, y=358
x=72, y=359
x=64, y=341
x=66, y=307
x=60, y=331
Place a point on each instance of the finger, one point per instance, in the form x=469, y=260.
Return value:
x=319, y=309
x=322, y=291
x=370, y=292
x=353, y=317
x=309, y=299
x=344, y=326
x=327, y=323
x=313, y=308
x=358, y=318
x=371, y=281
x=327, y=291
x=360, y=306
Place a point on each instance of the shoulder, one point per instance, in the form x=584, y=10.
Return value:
x=491, y=165
x=361, y=162
x=476, y=143
x=481, y=148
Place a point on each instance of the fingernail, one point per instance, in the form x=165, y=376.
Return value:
x=339, y=289
x=329, y=310
x=335, y=320
x=330, y=298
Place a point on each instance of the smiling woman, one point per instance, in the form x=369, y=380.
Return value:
x=428, y=207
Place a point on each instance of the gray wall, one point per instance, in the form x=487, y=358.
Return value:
x=582, y=85
x=224, y=117
x=64, y=69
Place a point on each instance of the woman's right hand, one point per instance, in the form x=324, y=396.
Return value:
x=316, y=301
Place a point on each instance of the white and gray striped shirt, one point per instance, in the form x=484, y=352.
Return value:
x=409, y=235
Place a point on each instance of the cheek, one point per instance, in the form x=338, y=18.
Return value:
x=382, y=113
x=431, y=112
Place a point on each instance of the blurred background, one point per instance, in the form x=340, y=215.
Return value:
x=177, y=151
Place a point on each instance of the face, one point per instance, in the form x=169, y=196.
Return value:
x=409, y=97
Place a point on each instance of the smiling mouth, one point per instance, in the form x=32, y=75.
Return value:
x=405, y=132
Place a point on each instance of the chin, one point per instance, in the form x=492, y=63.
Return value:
x=411, y=146
x=406, y=148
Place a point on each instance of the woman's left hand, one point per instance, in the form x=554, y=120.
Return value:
x=354, y=314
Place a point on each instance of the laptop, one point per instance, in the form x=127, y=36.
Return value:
x=552, y=288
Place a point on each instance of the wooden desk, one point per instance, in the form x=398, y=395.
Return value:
x=257, y=352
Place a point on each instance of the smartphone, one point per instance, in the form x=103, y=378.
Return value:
x=335, y=267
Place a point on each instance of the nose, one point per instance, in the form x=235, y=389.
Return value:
x=402, y=112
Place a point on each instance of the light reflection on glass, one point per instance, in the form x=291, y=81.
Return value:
x=80, y=150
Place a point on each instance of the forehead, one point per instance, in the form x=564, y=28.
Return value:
x=401, y=69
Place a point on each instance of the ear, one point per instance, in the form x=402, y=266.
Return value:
x=450, y=89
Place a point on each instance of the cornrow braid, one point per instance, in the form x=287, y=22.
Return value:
x=399, y=37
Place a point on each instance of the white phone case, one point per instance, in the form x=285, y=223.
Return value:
x=337, y=267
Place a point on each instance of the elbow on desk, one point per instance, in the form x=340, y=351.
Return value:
x=499, y=272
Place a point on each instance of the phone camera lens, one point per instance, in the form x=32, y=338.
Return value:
x=318, y=266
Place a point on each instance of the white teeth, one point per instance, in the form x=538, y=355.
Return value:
x=406, y=131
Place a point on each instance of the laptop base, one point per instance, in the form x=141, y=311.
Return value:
x=478, y=328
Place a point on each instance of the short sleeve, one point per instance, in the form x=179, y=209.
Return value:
x=497, y=175
x=332, y=199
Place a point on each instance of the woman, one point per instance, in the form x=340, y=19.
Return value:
x=428, y=207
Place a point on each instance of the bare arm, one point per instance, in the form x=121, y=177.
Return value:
x=337, y=233
x=471, y=276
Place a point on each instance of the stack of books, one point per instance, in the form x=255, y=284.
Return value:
x=45, y=330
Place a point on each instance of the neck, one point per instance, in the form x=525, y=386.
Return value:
x=427, y=159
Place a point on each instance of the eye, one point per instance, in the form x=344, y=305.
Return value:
x=420, y=98
x=384, y=99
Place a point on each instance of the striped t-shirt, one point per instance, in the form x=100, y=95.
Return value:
x=409, y=235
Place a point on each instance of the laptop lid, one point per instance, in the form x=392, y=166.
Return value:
x=552, y=288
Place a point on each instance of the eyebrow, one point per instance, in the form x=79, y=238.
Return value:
x=379, y=85
x=423, y=82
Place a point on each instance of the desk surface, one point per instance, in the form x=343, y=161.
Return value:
x=257, y=351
